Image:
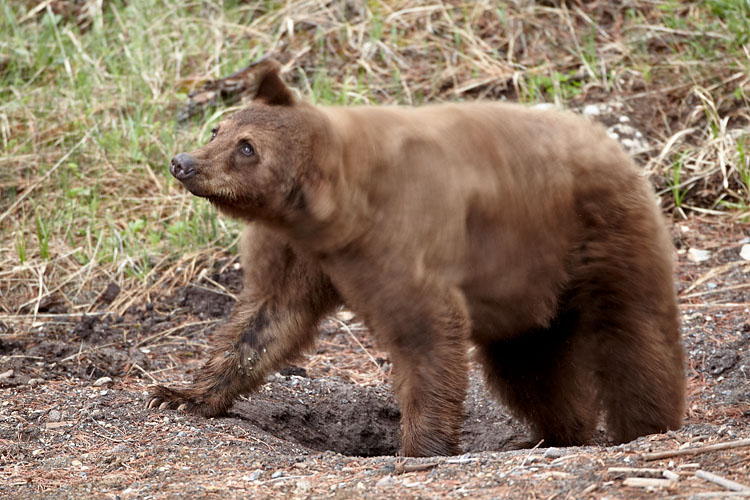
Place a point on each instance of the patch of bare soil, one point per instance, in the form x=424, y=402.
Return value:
x=73, y=421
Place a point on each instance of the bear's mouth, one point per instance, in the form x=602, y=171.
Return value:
x=192, y=186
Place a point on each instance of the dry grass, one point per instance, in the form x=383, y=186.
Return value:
x=89, y=93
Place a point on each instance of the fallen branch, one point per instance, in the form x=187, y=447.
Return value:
x=725, y=483
x=695, y=451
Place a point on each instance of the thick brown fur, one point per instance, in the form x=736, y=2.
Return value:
x=529, y=234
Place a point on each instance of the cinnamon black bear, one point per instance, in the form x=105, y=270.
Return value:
x=528, y=234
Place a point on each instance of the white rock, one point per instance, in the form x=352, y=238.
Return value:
x=544, y=106
x=303, y=486
x=591, y=110
x=698, y=255
x=385, y=481
x=253, y=476
x=345, y=315
x=745, y=251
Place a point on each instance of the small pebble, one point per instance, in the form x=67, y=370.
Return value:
x=120, y=448
x=276, y=474
x=33, y=382
x=385, y=481
x=54, y=416
x=303, y=486
x=553, y=453
x=253, y=476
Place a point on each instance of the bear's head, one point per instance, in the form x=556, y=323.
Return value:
x=261, y=163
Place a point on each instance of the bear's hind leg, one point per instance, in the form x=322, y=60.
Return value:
x=639, y=373
x=625, y=293
x=545, y=379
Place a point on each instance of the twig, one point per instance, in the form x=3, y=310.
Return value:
x=401, y=467
x=174, y=329
x=588, y=489
x=726, y=483
x=81, y=351
x=714, y=494
x=40, y=7
x=523, y=464
x=346, y=327
x=695, y=451
x=136, y=365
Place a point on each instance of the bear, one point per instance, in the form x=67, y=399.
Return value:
x=526, y=234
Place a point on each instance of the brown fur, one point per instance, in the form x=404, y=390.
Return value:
x=528, y=234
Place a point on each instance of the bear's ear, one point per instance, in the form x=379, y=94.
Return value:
x=270, y=88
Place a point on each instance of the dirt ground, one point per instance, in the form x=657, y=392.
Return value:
x=73, y=421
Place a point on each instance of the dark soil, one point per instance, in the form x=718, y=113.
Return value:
x=67, y=431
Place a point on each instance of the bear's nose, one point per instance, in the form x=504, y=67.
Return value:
x=182, y=166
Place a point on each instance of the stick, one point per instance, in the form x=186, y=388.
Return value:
x=648, y=482
x=718, y=494
x=726, y=483
x=145, y=373
x=351, y=334
x=637, y=471
x=695, y=451
x=402, y=467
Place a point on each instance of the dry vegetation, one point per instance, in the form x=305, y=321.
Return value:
x=90, y=92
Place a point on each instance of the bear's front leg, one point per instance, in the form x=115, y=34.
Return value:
x=275, y=320
x=426, y=329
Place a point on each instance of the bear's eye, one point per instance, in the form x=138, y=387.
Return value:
x=213, y=133
x=246, y=149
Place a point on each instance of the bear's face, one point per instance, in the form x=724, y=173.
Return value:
x=256, y=161
x=252, y=165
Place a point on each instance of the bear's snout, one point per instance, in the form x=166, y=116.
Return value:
x=182, y=166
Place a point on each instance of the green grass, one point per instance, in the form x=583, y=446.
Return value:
x=113, y=198
x=104, y=89
x=678, y=192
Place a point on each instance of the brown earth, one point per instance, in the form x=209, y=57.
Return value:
x=73, y=421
